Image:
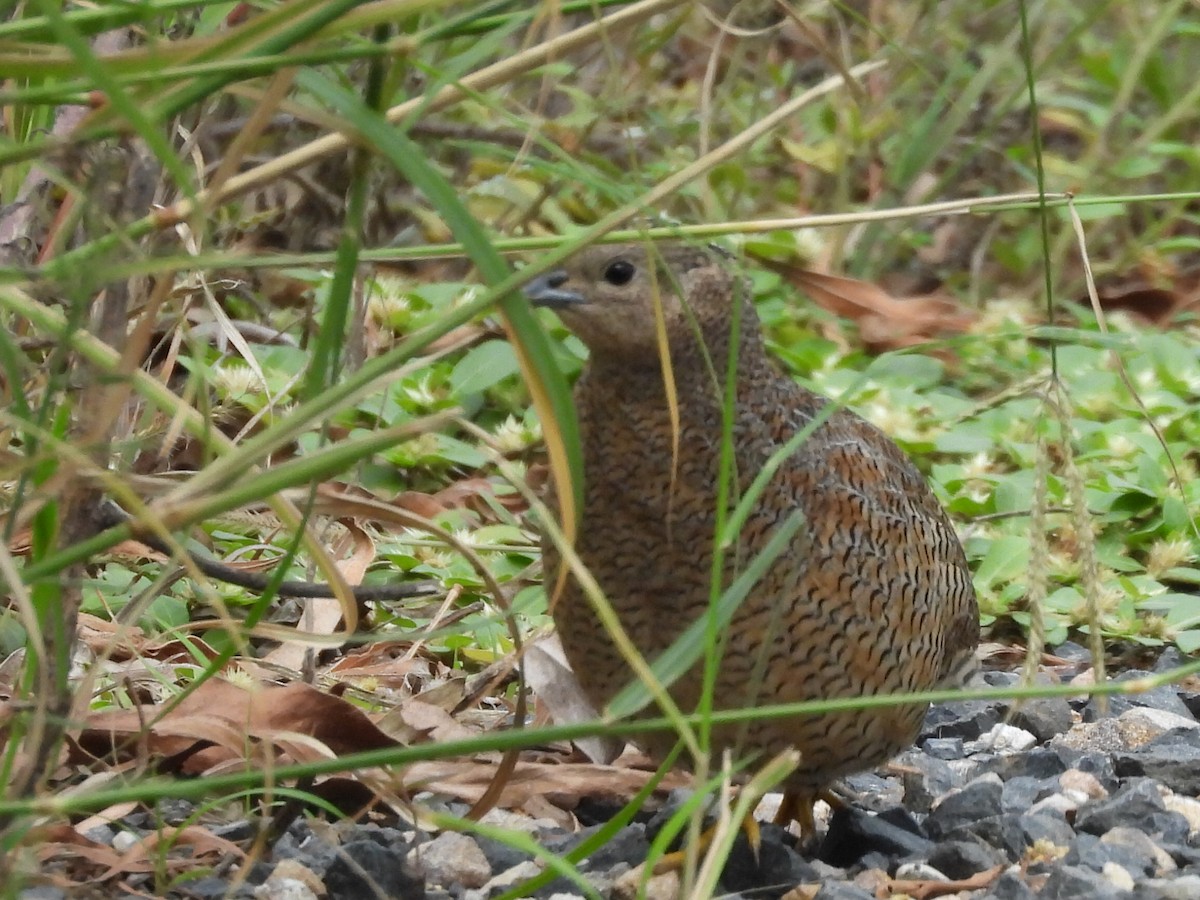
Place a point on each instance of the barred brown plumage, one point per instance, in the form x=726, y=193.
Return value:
x=874, y=595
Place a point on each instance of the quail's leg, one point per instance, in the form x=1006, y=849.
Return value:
x=797, y=806
x=674, y=859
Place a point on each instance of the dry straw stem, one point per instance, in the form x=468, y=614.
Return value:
x=1039, y=564
x=1089, y=573
x=610, y=234
x=1089, y=569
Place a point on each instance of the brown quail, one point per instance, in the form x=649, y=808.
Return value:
x=873, y=596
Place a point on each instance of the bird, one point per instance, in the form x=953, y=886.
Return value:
x=871, y=595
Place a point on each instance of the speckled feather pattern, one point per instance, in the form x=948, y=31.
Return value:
x=874, y=597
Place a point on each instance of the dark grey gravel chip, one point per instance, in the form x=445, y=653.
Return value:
x=962, y=859
x=365, y=868
x=1077, y=883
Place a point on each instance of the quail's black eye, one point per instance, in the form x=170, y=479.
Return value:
x=619, y=272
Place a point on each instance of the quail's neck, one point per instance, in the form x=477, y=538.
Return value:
x=694, y=371
x=622, y=403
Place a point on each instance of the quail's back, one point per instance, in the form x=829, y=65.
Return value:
x=872, y=597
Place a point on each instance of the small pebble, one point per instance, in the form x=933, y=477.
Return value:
x=1002, y=738
x=451, y=859
x=1118, y=877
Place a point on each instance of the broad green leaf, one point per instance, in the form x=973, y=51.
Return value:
x=484, y=366
x=1006, y=559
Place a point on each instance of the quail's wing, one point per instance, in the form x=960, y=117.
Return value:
x=886, y=564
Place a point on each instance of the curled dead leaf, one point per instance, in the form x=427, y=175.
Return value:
x=884, y=322
x=552, y=681
x=1159, y=302
x=221, y=722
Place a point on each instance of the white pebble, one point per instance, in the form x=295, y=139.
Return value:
x=919, y=871
x=1077, y=783
x=1188, y=807
x=124, y=840
x=1006, y=739
x=1118, y=876
x=1058, y=804
x=284, y=889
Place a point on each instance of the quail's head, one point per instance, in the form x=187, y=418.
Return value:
x=610, y=297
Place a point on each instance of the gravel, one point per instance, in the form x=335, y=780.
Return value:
x=1055, y=799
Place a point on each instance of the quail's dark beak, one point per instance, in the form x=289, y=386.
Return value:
x=547, y=290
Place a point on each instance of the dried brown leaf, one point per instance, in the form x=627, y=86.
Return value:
x=420, y=504
x=221, y=721
x=471, y=492
x=884, y=322
x=1158, y=301
x=432, y=722
x=555, y=685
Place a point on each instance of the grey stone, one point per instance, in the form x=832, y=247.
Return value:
x=1089, y=851
x=776, y=864
x=1165, y=698
x=853, y=834
x=1011, y=886
x=1021, y=792
x=1000, y=678
x=1169, y=658
x=1046, y=827
x=363, y=868
x=1139, y=843
x=1186, y=887
x=501, y=856
x=209, y=888
x=978, y=799
x=841, y=890
x=1005, y=833
x=451, y=859
x=873, y=792
x=1101, y=766
x=1073, y=653
x=1130, y=805
x=926, y=780
x=1156, y=722
x=944, y=748
x=241, y=830
x=1076, y=883
x=1003, y=739
x=1177, y=765
x=629, y=845
x=1045, y=718
x=504, y=881
x=174, y=812
x=1040, y=762
x=965, y=719
x=962, y=859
